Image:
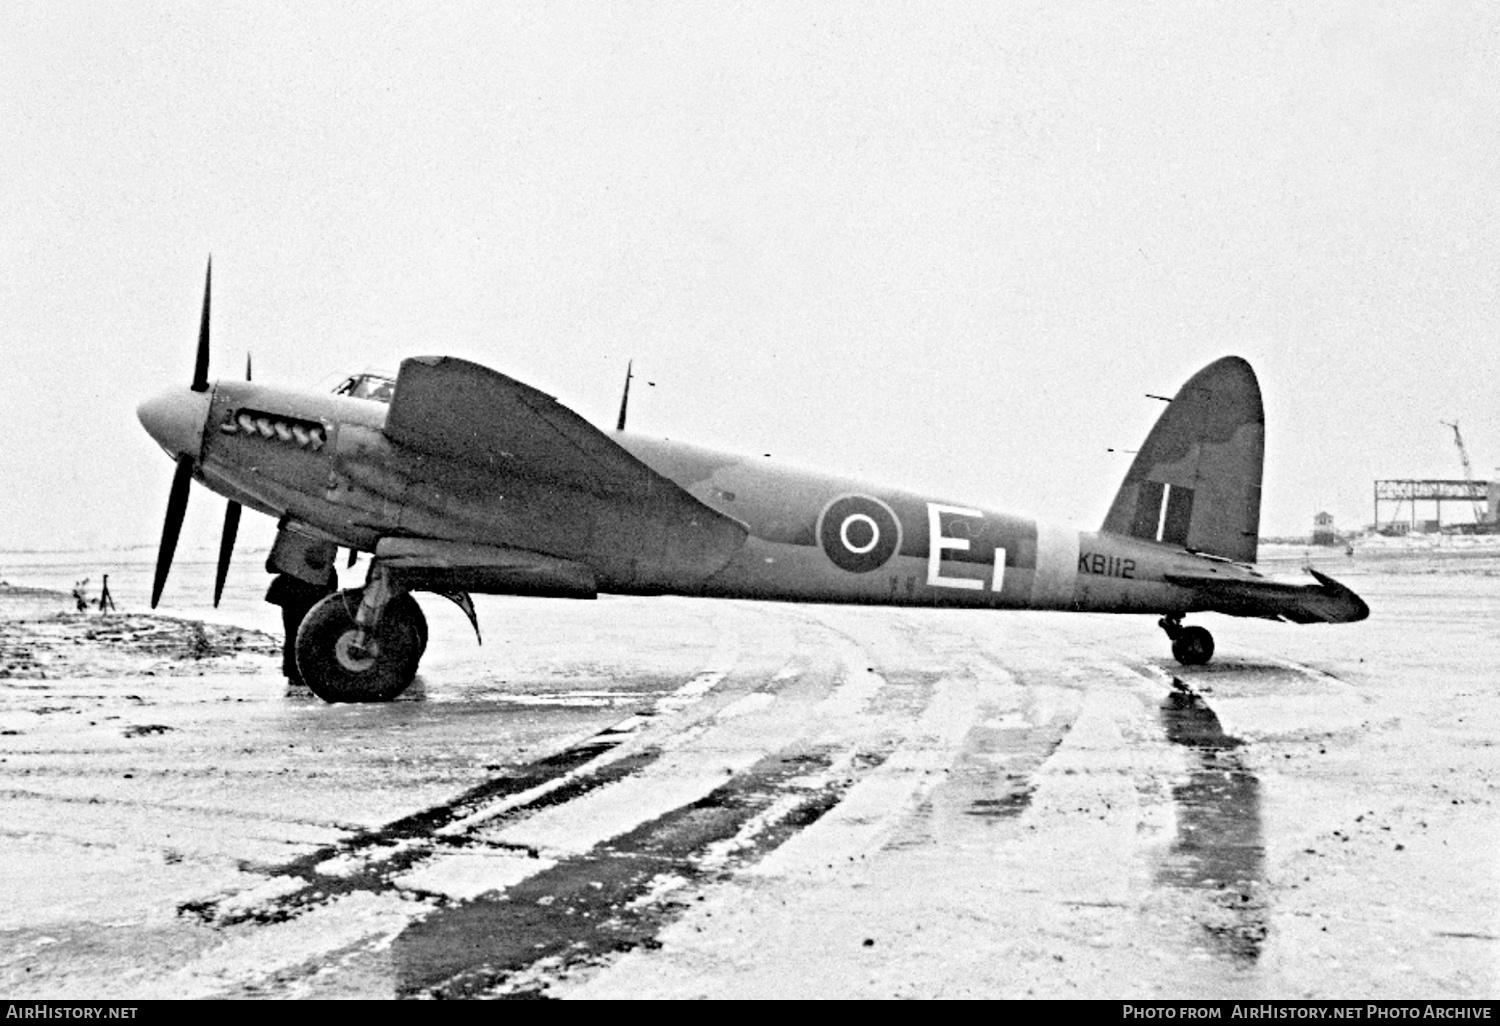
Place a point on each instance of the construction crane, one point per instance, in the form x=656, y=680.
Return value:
x=1463, y=454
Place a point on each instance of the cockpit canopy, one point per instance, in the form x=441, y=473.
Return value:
x=368, y=385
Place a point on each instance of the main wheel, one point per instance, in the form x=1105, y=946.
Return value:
x=336, y=671
x=1194, y=646
x=419, y=620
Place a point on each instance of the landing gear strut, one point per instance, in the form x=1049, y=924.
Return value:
x=362, y=644
x=1191, y=646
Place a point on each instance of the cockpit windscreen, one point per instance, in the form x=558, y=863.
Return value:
x=376, y=387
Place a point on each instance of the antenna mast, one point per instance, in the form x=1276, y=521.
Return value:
x=625, y=399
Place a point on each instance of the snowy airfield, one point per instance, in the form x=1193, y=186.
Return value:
x=681, y=798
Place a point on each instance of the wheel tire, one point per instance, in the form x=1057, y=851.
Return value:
x=334, y=674
x=410, y=609
x=1193, y=647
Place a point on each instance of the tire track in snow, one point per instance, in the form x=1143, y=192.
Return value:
x=367, y=860
x=611, y=898
x=604, y=897
x=425, y=864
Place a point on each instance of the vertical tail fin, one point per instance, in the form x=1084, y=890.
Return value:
x=1196, y=481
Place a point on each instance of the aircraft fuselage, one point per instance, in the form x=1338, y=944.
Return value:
x=324, y=462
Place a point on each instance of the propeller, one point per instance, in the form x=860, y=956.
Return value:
x=183, y=476
x=176, y=507
x=231, y=528
x=226, y=548
x=200, y=365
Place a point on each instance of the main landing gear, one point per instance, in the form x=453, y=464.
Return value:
x=362, y=644
x=1191, y=646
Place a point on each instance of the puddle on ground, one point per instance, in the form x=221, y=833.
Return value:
x=1002, y=753
x=1219, y=853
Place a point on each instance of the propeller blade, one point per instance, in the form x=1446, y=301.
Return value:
x=231, y=529
x=200, y=367
x=226, y=548
x=176, y=507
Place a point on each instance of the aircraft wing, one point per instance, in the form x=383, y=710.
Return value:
x=494, y=426
x=1328, y=601
x=461, y=411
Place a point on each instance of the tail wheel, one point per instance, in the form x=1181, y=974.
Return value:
x=337, y=670
x=1193, y=646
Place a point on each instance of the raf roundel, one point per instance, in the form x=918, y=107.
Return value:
x=859, y=533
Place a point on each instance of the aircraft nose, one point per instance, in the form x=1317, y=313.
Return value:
x=176, y=419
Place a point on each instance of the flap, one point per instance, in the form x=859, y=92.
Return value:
x=430, y=564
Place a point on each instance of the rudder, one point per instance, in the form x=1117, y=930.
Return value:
x=1196, y=480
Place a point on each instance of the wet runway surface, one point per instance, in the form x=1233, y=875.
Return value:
x=663, y=797
x=1219, y=844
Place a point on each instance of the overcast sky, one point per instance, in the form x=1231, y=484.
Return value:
x=944, y=246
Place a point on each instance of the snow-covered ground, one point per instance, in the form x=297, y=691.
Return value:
x=667, y=797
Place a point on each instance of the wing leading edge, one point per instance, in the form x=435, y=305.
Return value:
x=468, y=413
x=491, y=425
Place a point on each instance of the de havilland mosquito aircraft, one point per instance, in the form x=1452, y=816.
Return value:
x=457, y=479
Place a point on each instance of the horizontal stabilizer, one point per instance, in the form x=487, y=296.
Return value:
x=1328, y=601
